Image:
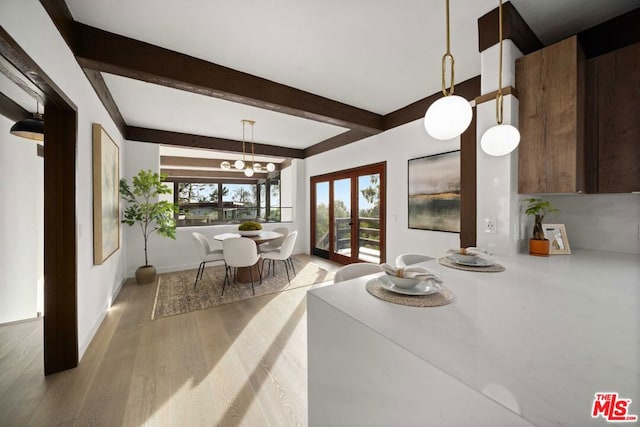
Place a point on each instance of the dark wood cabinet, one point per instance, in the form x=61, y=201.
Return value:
x=579, y=120
x=613, y=125
x=552, y=98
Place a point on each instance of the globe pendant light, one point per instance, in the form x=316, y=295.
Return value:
x=500, y=139
x=225, y=165
x=451, y=115
x=271, y=167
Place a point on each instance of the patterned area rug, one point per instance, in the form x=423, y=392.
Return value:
x=175, y=293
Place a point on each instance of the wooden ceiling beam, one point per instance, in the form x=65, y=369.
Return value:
x=468, y=89
x=103, y=92
x=190, y=173
x=208, y=142
x=513, y=27
x=199, y=162
x=112, y=53
x=30, y=76
x=344, y=138
x=12, y=110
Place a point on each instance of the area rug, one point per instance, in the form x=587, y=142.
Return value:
x=176, y=295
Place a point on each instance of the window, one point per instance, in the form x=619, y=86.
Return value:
x=208, y=203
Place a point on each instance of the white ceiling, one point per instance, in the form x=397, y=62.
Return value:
x=375, y=55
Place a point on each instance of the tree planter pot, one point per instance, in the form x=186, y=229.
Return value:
x=539, y=247
x=145, y=274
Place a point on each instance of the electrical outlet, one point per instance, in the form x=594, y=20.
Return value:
x=490, y=226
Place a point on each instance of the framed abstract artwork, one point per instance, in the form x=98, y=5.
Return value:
x=106, y=195
x=434, y=192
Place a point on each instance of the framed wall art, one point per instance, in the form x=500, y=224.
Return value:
x=106, y=195
x=434, y=192
x=558, y=241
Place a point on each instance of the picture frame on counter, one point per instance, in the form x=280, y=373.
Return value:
x=558, y=241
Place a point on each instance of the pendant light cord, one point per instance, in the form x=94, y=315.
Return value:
x=244, y=122
x=499, y=98
x=449, y=56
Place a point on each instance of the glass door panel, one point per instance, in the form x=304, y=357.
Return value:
x=368, y=221
x=321, y=241
x=348, y=215
x=342, y=217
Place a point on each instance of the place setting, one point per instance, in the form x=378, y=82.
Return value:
x=412, y=286
x=471, y=259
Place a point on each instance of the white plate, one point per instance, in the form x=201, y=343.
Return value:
x=425, y=287
x=478, y=262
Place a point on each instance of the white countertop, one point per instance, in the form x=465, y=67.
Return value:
x=541, y=338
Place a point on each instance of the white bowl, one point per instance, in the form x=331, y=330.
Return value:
x=403, y=283
x=249, y=232
x=464, y=258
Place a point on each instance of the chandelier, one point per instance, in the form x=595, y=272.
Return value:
x=243, y=164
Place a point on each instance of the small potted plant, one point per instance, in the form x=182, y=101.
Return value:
x=538, y=208
x=250, y=228
x=144, y=209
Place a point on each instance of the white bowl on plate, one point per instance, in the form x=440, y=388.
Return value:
x=403, y=283
x=464, y=258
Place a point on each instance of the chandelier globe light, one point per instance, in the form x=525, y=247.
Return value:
x=501, y=139
x=243, y=165
x=449, y=116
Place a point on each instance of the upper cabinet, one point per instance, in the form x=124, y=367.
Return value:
x=613, y=119
x=551, y=92
x=579, y=120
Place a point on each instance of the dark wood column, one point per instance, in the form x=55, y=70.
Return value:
x=60, y=261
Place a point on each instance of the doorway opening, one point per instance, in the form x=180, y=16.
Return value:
x=348, y=211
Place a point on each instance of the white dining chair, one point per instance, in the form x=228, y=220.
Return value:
x=274, y=245
x=283, y=254
x=239, y=252
x=207, y=252
x=351, y=271
x=409, y=259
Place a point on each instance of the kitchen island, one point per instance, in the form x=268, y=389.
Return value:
x=528, y=346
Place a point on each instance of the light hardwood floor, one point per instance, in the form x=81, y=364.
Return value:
x=237, y=364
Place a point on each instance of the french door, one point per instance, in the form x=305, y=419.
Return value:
x=348, y=214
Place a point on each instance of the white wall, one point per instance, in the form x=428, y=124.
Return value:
x=28, y=23
x=180, y=254
x=21, y=193
x=396, y=147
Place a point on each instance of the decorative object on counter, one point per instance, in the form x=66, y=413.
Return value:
x=450, y=115
x=441, y=296
x=538, y=208
x=150, y=215
x=434, y=192
x=250, y=228
x=242, y=164
x=500, y=139
x=558, y=241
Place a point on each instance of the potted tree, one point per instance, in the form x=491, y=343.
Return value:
x=538, y=208
x=144, y=209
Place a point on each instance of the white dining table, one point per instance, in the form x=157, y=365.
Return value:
x=244, y=274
